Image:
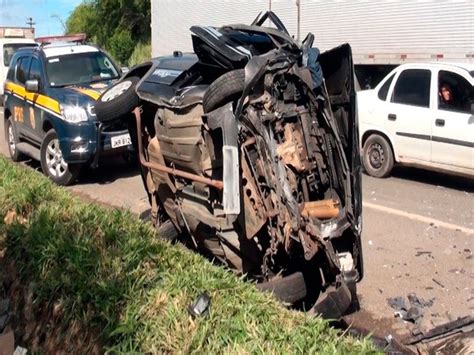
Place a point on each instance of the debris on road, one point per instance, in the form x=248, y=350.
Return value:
x=464, y=324
x=201, y=306
x=419, y=302
x=438, y=283
x=412, y=313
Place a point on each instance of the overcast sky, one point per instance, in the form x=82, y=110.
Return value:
x=47, y=14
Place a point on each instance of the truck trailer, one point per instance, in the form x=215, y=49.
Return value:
x=382, y=33
x=11, y=39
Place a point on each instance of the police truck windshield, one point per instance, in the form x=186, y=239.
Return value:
x=80, y=68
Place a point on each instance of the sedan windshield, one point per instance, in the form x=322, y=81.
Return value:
x=80, y=68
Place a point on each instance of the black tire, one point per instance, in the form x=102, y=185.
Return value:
x=12, y=140
x=110, y=107
x=226, y=88
x=378, y=156
x=167, y=231
x=67, y=173
x=289, y=289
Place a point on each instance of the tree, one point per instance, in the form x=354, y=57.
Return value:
x=116, y=25
x=82, y=19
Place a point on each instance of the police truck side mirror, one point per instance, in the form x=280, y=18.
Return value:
x=32, y=85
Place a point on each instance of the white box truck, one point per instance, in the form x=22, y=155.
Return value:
x=382, y=33
x=11, y=39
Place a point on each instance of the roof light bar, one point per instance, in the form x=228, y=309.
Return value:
x=73, y=38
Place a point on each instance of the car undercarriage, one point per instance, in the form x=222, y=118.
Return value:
x=253, y=162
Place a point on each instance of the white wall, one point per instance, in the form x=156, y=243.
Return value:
x=171, y=20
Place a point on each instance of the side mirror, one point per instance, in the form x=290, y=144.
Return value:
x=124, y=70
x=32, y=85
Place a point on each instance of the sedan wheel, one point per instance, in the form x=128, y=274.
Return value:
x=378, y=156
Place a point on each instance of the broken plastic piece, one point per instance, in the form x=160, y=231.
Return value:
x=456, y=326
x=201, y=306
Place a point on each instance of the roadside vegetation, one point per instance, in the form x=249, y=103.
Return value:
x=100, y=279
x=122, y=27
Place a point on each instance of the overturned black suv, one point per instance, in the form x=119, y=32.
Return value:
x=251, y=155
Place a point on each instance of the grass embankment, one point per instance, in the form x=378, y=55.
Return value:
x=101, y=279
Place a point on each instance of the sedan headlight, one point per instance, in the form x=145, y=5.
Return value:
x=73, y=114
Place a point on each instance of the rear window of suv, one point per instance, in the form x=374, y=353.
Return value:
x=9, y=50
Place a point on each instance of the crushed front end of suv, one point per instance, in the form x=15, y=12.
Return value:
x=250, y=155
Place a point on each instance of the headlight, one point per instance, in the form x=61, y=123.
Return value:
x=73, y=114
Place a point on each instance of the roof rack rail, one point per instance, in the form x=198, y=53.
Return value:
x=78, y=38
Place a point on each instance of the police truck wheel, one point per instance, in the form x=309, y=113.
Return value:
x=12, y=140
x=53, y=164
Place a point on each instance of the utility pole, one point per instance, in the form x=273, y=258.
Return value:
x=29, y=21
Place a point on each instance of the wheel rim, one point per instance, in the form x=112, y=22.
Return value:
x=57, y=167
x=11, y=140
x=116, y=91
x=376, y=156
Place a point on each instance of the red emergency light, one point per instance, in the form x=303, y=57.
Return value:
x=74, y=38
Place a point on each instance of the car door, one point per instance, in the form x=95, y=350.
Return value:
x=408, y=115
x=453, y=125
x=19, y=94
x=33, y=114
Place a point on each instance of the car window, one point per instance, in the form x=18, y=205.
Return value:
x=9, y=50
x=384, y=89
x=22, y=69
x=455, y=93
x=413, y=88
x=83, y=68
x=35, y=70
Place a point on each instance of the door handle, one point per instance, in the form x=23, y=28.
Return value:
x=439, y=122
x=392, y=116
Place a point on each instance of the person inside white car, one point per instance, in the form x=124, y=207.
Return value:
x=446, y=99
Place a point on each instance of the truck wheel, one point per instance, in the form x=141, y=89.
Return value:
x=118, y=101
x=53, y=164
x=226, y=88
x=378, y=156
x=12, y=138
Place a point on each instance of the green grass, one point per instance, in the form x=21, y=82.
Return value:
x=109, y=274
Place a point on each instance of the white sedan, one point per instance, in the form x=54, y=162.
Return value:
x=421, y=115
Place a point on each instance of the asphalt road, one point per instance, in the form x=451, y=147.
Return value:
x=418, y=233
